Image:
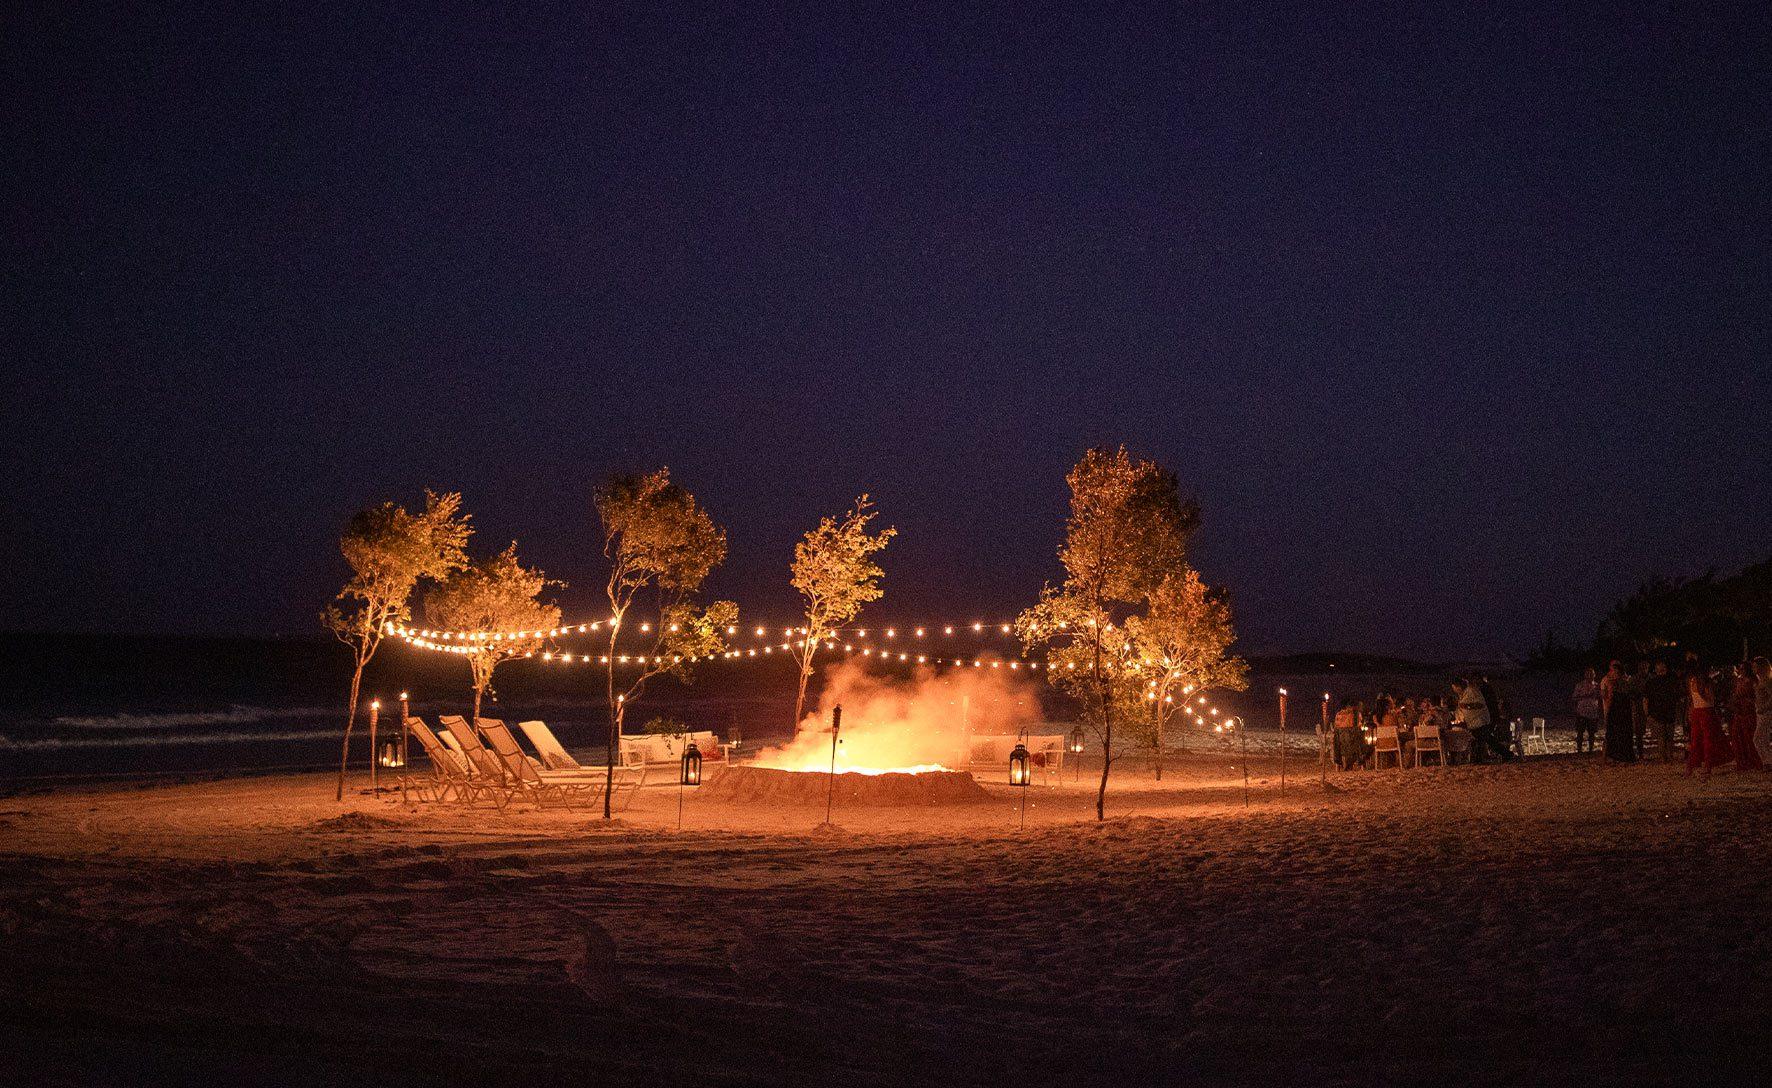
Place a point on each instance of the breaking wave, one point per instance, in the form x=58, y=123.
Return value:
x=9, y=744
x=234, y=715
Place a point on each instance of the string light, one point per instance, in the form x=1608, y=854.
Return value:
x=560, y=657
x=762, y=631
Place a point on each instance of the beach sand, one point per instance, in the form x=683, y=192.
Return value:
x=1550, y=921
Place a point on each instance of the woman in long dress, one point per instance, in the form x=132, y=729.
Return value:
x=1743, y=720
x=1621, y=746
x=1762, y=670
x=1705, y=744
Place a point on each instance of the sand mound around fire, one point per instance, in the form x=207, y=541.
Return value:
x=763, y=785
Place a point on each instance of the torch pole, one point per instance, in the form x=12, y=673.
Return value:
x=374, y=756
x=831, y=788
x=1282, y=742
x=1243, y=736
x=1323, y=739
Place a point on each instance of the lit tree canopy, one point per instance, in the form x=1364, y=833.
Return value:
x=657, y=537
x=390, y=551
x=654, y=533
x=1181, y=644
x=835, y=572
x=1128, y=530
x=496, y=595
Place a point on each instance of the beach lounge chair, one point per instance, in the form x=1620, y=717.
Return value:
x=453, y=772
x=435, y=782
x=1385, y=742
x=1427, y=742
x=485, y=770
x=629, y=777
x=569, y=788
x=554, y=755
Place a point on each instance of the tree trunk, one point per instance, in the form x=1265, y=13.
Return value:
x=1158, y=711
x=614, y=726
x=800, y=699
x=350, y=723
x=1107, y=736
x=477, y=693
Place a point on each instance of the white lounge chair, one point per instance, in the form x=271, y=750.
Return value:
x=452, y=774
x=554, y=755
x=485, y=770
x=629, y=777
x=569, y=788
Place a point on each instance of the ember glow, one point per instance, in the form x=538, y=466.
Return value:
x=896, y=726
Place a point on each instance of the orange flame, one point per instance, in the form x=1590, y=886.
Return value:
x=895, y=726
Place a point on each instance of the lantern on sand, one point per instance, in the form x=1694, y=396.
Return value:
x=1077, y=741
x=691, y=765
x=1019, y=772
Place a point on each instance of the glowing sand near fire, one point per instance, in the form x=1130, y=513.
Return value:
x=750, y=784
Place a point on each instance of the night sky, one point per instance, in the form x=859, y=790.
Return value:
x=1457, y=325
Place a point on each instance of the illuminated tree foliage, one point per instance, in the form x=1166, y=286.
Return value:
x=835, y=572
x=389, y=551
x=498, y=597
x=1128, y=530
x=1180, y=645
x=661, y=543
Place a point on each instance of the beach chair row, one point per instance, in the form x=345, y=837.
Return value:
x=482, y=763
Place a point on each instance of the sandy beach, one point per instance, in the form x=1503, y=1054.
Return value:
x=1554, y=920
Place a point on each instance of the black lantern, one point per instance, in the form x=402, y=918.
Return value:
x=691, y=765
x=1077, y=741
x=1019, y=774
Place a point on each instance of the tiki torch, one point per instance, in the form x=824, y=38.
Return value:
x=831, y=789
x=1282, y=742
x=374, y=756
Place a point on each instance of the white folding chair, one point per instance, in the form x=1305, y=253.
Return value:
x=1534, y=744
x=1427, y=742
x=1387, y=742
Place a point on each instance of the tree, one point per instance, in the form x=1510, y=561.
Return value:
x=1180, y=645
x=835, y=572
x=389, y=551
x=1128, y=529
x=657, y=537
x=497, y=599
x=1711, y=615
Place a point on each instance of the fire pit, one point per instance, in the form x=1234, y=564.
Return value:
x=772, y=785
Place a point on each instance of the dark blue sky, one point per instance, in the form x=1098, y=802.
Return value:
x=1457, y=324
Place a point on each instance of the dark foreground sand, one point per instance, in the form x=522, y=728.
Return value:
x=1561, y=921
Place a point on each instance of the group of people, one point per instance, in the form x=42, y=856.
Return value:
x=1719, y=710
x=1469, y=718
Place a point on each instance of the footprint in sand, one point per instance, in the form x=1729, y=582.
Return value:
x=594, y=969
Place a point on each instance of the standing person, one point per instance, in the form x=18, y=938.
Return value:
x=1347, y=736
x=1705, y=744
x=1473, y=714
x=1586, y=701
x=1497, y=712
x=1615, y=702
x=1744, y=720
x=1662, y=695
x=1762, y=670
x=1639, y=706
